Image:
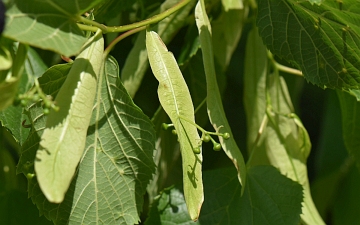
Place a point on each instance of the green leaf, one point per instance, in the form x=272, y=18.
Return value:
x=175, y=98
x=63, y=141
x=214, y=103
x=136, y=63
x=117, y=158
x=48, y=24
x=350, y=111
x=169, y=208
x=262, y=202
x=322, y=41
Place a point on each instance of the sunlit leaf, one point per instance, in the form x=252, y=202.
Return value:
x=175, y=98
x=322, y=41
x=214, y=103
x=117, y=163
x=48, y=24
x=63, y=141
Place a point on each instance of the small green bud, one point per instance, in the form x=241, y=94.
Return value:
x=165, y=126
x=35, y=98
x=30, y=176
x=226, y=135
x=206, y=138
x=196, y=150
x=23, y=102
x=46, y=111
x=217, y=147
x=174, y=132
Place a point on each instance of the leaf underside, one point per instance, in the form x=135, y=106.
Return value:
x=321, y=40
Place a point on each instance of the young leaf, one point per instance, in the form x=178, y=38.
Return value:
x=48, y=24
x=214, y=103
x=136, y=63
x=322, y=41
x=117, y=157
x=63, y=141
x=175, y=98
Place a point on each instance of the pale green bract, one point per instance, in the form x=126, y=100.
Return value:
x=214, y=103
x=63, y=141
x=175, y=98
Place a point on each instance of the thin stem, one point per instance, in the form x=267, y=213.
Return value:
x=121, y=37
x=200, y=128
x=288, y=69
x=87, y=27
x=132, y=26
x=93, y=23
x=283, y=68
x=200, y=105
